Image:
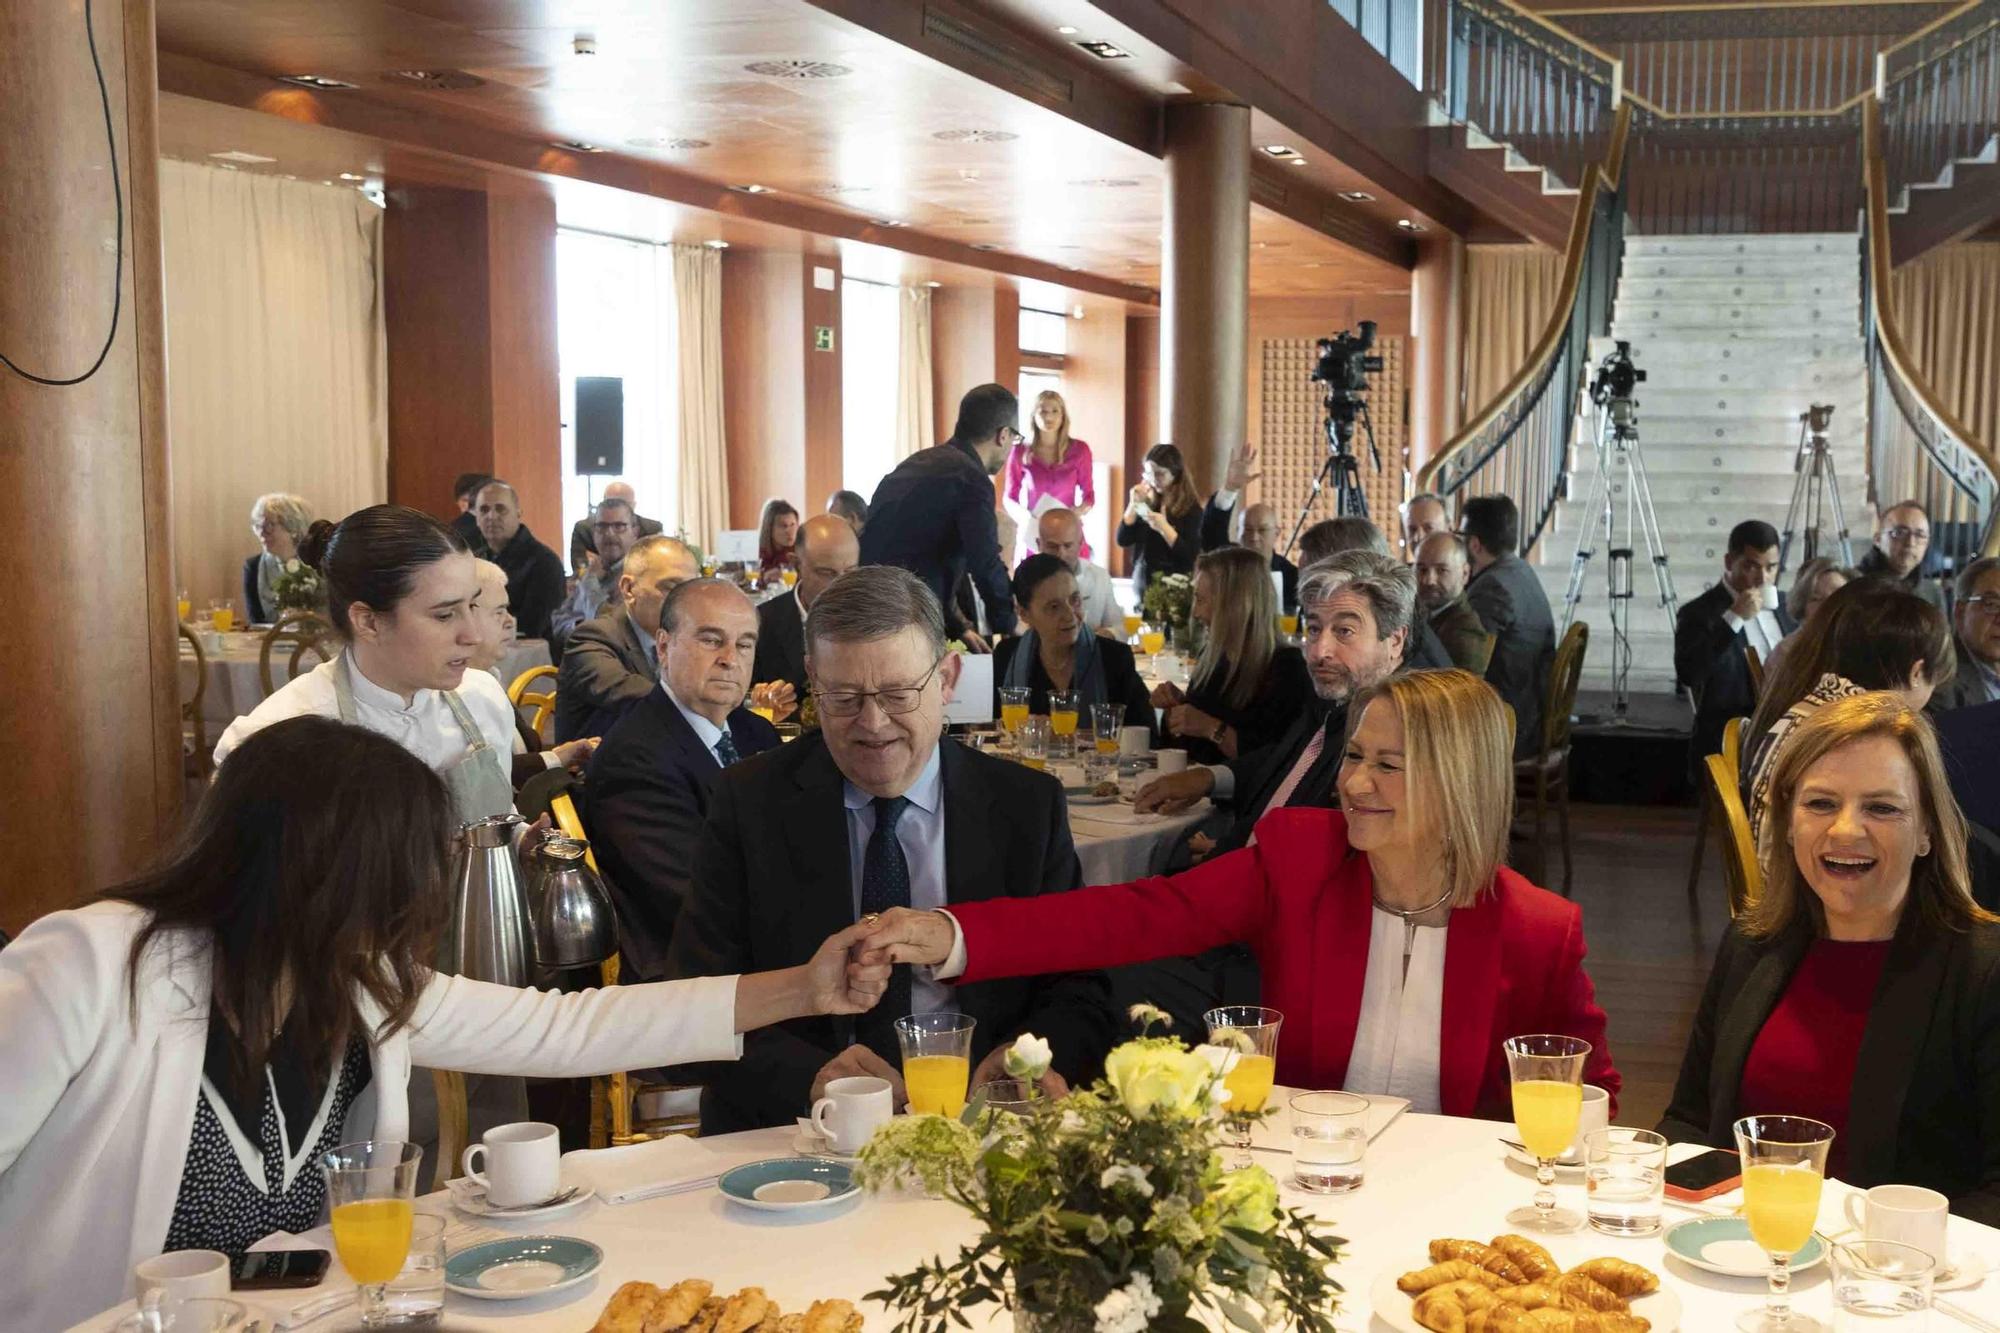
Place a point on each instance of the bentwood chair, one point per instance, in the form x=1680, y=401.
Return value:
x=1483, y=657
x=1732, y=755
x=1756, y=664
x=454, y=1124
x=195, y=757
x=543, y=702
x=1740, y=870
x=1545, y=777
x=304, y=633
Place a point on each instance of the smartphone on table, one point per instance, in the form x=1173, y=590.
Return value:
x=1704, y=1176
x=273, y=1270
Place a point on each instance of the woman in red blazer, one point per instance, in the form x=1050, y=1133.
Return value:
x=1399, y=949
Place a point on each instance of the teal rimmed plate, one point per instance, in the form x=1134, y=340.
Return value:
x=789, y=1184
x=1723, y=1245
x=521, y=1266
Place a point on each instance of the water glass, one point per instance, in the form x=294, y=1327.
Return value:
x=1016, y=1096
x=1032, y=737
x=1329, y=1141
x=1881, y=1285
x=1625, y=1179
x=1105, y=720
x=415, y=1296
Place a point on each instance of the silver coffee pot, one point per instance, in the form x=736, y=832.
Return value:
x=571, y=920
x=489, y=909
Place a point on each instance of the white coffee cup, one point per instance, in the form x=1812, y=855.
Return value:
x=1767, y=597
x=1134, y=742
x=1906, y=1214
x=180, y=1275
x=852, y=1110
x=1596, y=1114
x=523, y=1164
x=1171, y=761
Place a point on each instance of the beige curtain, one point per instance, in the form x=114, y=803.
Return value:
x=276, y=361
x=913, y=373
x=704, y=464
x=1510, y=291
x=1947, y=304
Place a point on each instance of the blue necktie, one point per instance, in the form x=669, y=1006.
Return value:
x=725, y=750
x=885, y=883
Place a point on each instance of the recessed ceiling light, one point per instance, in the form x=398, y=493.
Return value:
x=716, y=245
x=1105, y=51
x=1297, y=161
x=667, y=143
x=1066, y=30
x=1279, y=149
x=887, y=222
x=436, y=80
x=934, y=285
x=751, y=189
x=350, y=176
x=798, y=69
x=986, y=246
x=577, y=146
x=1408, y=225
x=1105, y=183
x=974, y=136
x=1357, y=196
x=315, y=81
x=238, y=155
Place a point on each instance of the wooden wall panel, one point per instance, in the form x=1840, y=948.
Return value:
x=1094, y=379
x=824, y=436
x=763, y=379
x=435, y=292
x=963, y=343
x=1142, y=413
x=521, y=305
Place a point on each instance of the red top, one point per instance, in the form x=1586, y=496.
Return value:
x=1303, y=900
x=1802, y=1062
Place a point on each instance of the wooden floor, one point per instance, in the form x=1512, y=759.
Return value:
x=1649, y=950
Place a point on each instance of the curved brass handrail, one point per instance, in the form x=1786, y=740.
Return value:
x=1605, y=176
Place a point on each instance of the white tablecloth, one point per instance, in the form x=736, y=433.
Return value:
x=236, y=681
x=1428, y=1176
x=1117, y=845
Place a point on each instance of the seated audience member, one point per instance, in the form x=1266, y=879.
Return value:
x=1441, y=570
x=650, y=783
x=610, y=662
x=1424, y=516
x=1870, y=635
x=874, y=810
x=849, y=506
x=496, y=635
x=1057, y=651
x=1902, y=539
x=1422, y=953
x=1161, y=525
x=465, y=493
x=614, y=529
x=582, y=535
x=1059, y=532
x=1247, y=689
x=1712, y=631
x=1862, y=987
x=534, y=572
x=280, y=523
x=827, y=548
x=1818, y=579
x=1329, y=537
x=1976, y=619
x=777, y=537
x=177, y=1049
x=1260, y=525
x=1508, y=599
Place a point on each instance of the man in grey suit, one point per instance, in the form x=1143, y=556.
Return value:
x=1510, y=603
x=610, y=663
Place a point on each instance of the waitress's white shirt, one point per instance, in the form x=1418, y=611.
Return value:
x=1402, y=1015
x=426, y=728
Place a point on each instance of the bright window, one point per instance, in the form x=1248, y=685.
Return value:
x=871, y=349
x=615, y=315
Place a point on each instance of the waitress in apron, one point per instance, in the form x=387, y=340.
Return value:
x=401, y=590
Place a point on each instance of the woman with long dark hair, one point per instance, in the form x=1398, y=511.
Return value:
x=1057, y=651
x=1162, y=520
x=180, y=1050
x=777, y=538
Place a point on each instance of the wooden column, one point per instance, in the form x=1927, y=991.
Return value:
x=764, y=351
x=1205, y=283
x=90, y=712
x=825, y=437
x=1437, y=341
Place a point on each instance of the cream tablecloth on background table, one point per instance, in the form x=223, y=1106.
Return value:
x=1428, y=1176
x=236, y=680
x=1117, y=845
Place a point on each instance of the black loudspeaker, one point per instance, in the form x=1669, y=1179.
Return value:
x=600, y=425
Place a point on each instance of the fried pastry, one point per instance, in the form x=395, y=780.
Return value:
x=745, y=1310
x=1581, y=1291
x=1549, y=1319
x=1627, y=1279
x=709, y=1315
x=1451, y=1270
x=1530, y=1258
x=832, y=1317
x=1488, y=1258
x=675, y=1308
x=1446, y=1309
x=627, y=1309
x=1533, y=1296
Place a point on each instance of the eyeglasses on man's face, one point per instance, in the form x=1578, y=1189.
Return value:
x=1903, y=533
x=1985, y=604
x=896, y=700
x=614, y=526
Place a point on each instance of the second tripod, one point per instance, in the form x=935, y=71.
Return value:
x=1816, y=489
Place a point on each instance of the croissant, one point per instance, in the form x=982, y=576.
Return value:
x=1451, y=1270
x=1627, y=1279
x=626, y=1311
x=1582, y=1291
x=1531, y=1258
x=1485, y=1256
x=677, y=1306
x=1548, y=1319
x=745, y=1310
x=1445, y=1309
x=1533, y=1296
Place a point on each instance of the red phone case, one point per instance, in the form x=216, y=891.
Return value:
x=1696, y=1196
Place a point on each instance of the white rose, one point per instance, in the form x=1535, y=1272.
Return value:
x=1029, y=1057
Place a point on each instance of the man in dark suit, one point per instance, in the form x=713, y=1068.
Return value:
x=1902, y=541
x=583, y=535
x=464, y=492
x=1508, y=599
x=534, y=572
x=1260, y=525
x=1441, y=570
x=650, y=781
x=1975, y=620
x=611, y=662
x=827, y=548
x=933, y=515
x=1712, y=631
x=873, y=811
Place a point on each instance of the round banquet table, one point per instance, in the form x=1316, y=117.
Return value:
x=1116, y=844
x=236, y=679
x=1428, y=1176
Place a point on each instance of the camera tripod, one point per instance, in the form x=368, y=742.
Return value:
x=1341, y=466
x=1816, y=487
x=1617, y=446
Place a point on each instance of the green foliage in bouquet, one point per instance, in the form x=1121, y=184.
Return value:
x=299, y=587
x=1169, y=600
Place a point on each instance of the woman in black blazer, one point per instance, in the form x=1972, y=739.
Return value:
x=1247, y=689
x=1057, y=651
x=1161, y=525
x=1862, y=988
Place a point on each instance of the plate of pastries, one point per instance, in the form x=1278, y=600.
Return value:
x=694, y=1306
x=1514, y=1285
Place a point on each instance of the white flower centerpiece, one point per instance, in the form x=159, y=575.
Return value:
x=1108, y=1212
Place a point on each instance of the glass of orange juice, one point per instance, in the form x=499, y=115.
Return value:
x=1062, y=721
x=370, y=1189
x=788, y=577
x=1013, y=707
x=1547, y=1072
x=1784, y=1165
x=1290, y=625
x=183, y=606
x=1132, y=624
x=1032, y=740
x=937, y=1061
x=222, y=616
x=1105, y=722
x=1251, y=1032
x=1152, y=640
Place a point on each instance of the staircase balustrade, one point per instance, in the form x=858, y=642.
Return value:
x=1939, y=90
x=1521, y=80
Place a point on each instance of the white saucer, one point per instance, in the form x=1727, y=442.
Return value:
x=1564, y=1165
x=470, y=1198
x=1968, y=1269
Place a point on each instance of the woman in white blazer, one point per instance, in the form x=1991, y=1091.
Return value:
x=153, y=1039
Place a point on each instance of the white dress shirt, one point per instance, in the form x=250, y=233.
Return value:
x=710, y=734
x=1761, y=630
x=425, y=727
x=1402, y=1014
x=921, y=833
x=1100, y=601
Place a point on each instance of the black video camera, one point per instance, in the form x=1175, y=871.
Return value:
x=1344, y=363
x=1616, y=375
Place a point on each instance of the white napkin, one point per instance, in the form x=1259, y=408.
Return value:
x=675, y=1164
